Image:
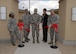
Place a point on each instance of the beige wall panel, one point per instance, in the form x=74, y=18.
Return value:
x=11, y=5
x=70, y=25
x=62, y=18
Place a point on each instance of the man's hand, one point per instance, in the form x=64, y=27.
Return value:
x=11, y=30
x=49, y=26
x=37, y=24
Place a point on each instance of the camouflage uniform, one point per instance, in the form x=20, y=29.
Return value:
x=26, y=20
x=52, y=19
x=35, y=20
x=13, y=29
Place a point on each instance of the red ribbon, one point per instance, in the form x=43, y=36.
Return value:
x=28, y=30
x=55, y=27
x=46, y=27
x=20, y=25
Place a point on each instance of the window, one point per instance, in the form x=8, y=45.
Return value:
x=74, y=14
x=2, y=13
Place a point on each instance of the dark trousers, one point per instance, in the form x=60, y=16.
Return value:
x=45, y=33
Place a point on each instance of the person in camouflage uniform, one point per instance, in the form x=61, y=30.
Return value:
x=26, y=20
x=53, y=19
x=35, y=20
x=12, y=27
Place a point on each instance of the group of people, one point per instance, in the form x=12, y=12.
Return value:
x=34, y=20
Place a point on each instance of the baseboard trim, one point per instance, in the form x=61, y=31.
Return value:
x=61, y=40
x=66, y=42
x=5, y=41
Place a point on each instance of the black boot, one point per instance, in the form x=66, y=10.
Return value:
x=13, y=44
x=51, y=42
x=38, y=40
x=23, y=41
x=27, y=38
x=33, y=40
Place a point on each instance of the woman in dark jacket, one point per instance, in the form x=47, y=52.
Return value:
x=44, y=21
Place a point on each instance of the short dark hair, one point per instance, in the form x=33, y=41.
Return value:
x=20, y=20
x=45, y=9
x=10, y=15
